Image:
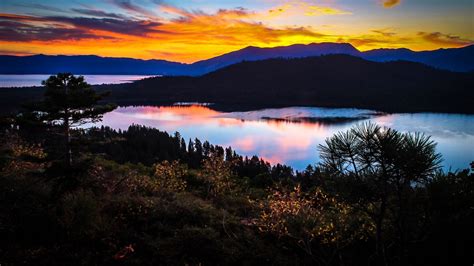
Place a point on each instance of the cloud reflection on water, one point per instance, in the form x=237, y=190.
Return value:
x=292, y=143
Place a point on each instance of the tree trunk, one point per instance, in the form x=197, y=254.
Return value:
x=68, y=141
x=401, y=217
x=67, y=129
x=379, y=245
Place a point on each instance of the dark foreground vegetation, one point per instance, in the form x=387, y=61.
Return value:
x=326, y=81
x=144, y=197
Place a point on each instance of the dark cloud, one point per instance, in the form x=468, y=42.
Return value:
x=11, y=24
x=444, y=39
x=236, y=12
x=20, y=32
x=40, y=6
x=128, y=5
x=15, y=17
x=25, y=28
x=97, y=13
x=122, y=26
x=385, y=32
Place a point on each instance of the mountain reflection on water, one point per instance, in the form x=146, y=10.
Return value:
x=292, y=135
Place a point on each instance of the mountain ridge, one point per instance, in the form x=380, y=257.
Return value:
x=84, y=64
x=453, y=59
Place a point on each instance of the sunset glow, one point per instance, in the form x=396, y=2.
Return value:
x=188, y=31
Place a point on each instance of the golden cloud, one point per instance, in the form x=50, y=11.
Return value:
x=446, y=40
x=320, y=10
x=390, y=3
x=297, y=8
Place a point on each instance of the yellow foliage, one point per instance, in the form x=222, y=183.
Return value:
x=121, y=179
x=19, y=150
x=216, y=173
x=170, y=176
x=309, y=216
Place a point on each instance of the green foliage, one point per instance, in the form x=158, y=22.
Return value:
x=378, y=170
x=369, y=150
x=68, y=102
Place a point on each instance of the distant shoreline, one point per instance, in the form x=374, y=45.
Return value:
x=28, y=94
x=333, y=81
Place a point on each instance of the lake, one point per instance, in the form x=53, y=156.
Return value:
x=291, y=135
x=35, y=80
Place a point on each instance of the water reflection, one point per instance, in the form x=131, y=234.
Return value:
x=295, y=143
x=35, y=80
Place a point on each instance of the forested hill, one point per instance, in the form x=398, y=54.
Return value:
x=332, y=81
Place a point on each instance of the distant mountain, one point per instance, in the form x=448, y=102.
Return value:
x=456, y=59
x=85, y=64
x=252, y=53
x=332, y=81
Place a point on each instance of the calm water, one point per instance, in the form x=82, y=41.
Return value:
x=35, y=80
x=295, y=143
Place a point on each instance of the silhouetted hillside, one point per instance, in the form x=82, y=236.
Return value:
x=85, y=64
x=333, y=81
x=330, y=81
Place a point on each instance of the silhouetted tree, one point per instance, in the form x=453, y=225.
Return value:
x=382, y=166
x=190, y=146
x=68, y=102
x=182, y=146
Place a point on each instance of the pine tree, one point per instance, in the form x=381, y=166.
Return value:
x=68, y=102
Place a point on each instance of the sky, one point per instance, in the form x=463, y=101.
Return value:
x=193, y=30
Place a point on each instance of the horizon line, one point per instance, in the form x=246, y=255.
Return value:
x=248, y=46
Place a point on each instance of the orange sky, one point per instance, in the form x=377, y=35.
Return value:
x=187, y=31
